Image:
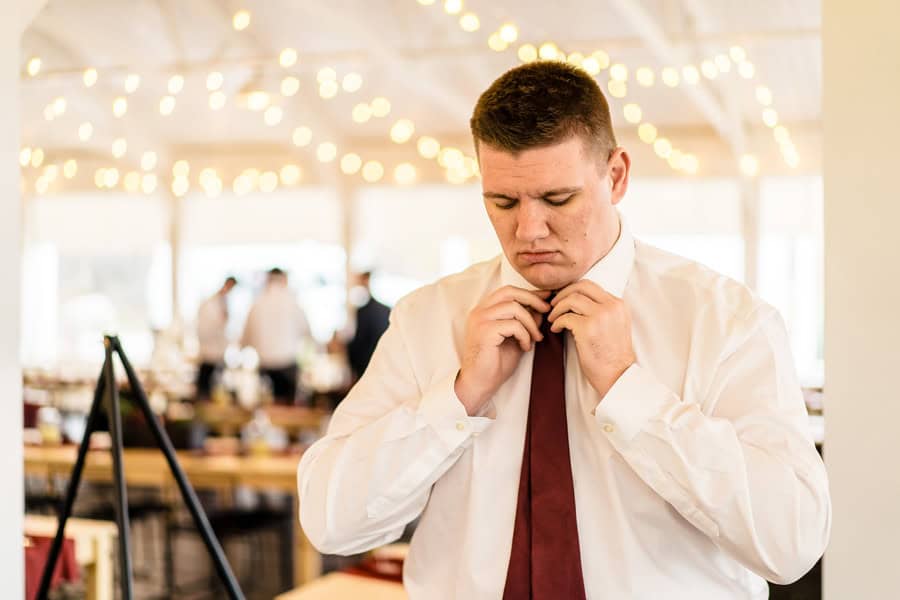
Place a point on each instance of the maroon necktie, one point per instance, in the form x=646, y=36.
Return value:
x=545, y=563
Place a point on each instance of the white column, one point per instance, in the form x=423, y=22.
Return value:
x=862, y=296
x=13, y=22
x=750, y=211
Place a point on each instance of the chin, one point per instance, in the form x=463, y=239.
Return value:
x=547, y=277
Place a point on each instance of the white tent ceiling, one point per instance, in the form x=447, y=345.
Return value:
x=416, y=56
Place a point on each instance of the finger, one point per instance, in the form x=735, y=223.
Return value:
x=584, y=286
x=535, y=299
x=575, y=303
x=514, y=310
x=513, y=329
x=569, y=321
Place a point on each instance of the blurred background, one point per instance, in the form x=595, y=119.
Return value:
x=168, y=146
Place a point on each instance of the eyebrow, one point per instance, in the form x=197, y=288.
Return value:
x=546, y=194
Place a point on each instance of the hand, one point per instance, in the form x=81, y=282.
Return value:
x=503, y=326
x=601, y=326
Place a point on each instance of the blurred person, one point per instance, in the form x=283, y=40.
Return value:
x=371, y=322
x=275, y=328
x=583, y=416
x=212, y=323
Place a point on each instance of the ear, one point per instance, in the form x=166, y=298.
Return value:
x=618, y=170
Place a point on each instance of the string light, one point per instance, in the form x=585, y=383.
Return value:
x=352, y=82
x=181, y=168
x=214, y=81
x=241, y=20
x=34, y=66
x=633, y=113
x=645, y=76
x=37, y=157
x=132, y=83
x=723, y=63
x=763, y=95
x=737, y=54
x=290, y=175
x=405, y=174
x=381, y=107
x=120, y=107
x=119, y=147
x=133, y=181
x=148, y=160
x=662, y=147
x=749, y=165
x=591, y=65
x=328, y=89
x=770, y=117
x=148, y=183
x=176, y=84
x=509, y=33
x=690, y=74
x=428, y=147
x=709, y=69
x=257, y=100
x=85, y=131
x=59, y=106
x=273, y=116
x=372, y=171
x=180, y=186
x=70, y=168
x=166, y=105
x=647, y=133
x=469, y=22
x=618, y=72
x=548, y=51
x=89, y=77
x=527, y=53
x=287, y=58
x=361, y=113
x=670, y=76
x=453, y=7
x=746, y=70
x=25, y=156
x=268, y=182
x=617, y=89
x=326, y=74
x=302, y=136
x=402, y=131
x=496, y=43
x=350, y=163
x=326, y=152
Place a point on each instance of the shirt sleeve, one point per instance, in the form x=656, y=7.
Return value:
x=386, y=445
x=743, y=468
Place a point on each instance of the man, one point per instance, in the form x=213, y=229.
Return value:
x=585, y=416
x=212, y=321
x=371, y=323
x=275, y=327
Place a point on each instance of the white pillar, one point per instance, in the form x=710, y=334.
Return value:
x=750, y=215
x=14, y=20
x=862, y=296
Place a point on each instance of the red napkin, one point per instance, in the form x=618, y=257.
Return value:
x=36, y=557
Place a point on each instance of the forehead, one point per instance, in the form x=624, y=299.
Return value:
x=561, y=164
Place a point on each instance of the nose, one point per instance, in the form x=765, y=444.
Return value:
x=531, y=221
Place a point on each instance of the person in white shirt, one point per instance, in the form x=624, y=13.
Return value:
x=275, y=328
x=691, y=466
x=212, y=322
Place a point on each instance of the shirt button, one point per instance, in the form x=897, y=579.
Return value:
x=460, y=426
x=608, y=428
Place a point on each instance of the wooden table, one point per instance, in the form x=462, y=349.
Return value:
x=341, y=586
x=228, y=419
x=148, y=468
x=94, y=549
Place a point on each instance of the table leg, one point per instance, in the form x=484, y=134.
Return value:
x=307, y=560
x=101, y=579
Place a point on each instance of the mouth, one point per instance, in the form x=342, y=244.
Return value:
x=538, y=257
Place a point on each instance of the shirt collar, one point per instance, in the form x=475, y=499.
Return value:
x=610, y=272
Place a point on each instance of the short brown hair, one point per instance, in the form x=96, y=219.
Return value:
x=540, y=104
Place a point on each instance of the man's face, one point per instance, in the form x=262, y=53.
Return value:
x=553, y=208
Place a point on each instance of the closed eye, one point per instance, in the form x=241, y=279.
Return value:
x=557, y=201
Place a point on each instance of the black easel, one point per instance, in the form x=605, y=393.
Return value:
x=107, y=390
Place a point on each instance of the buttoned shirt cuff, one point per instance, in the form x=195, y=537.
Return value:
x=635, y=398
x=443, y=411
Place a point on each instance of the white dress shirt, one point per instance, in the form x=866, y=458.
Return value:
x=275, y=327
x=212, y=320
x=695, y=477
